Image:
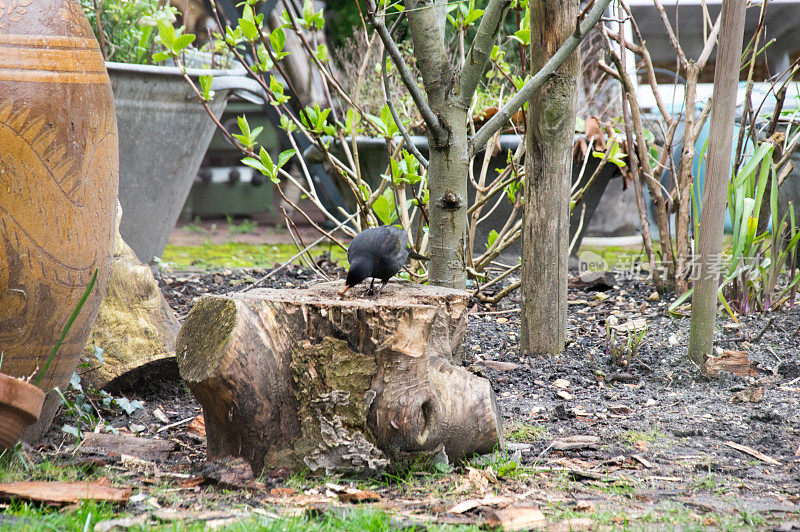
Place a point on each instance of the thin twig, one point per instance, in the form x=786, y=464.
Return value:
x=388, y=93
x=757, y=337
x=405, y=73
x=297, y=255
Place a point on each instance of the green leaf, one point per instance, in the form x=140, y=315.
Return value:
x=98, y=353
x=166, y=34
x=350, y=120
x=182, y=42
x=523, y=36
x=161, y=56
x=129, y=406
x=284, y=157
x=472, y=16
x=491, y=239
x=255, y=163
x=278, y=39
x=205, y=86
x=384, y=207
x=322, y=53
x=266, y=160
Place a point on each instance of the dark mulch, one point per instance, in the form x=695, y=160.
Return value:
x=659, y=421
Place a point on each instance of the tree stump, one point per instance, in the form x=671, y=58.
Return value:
x=135, y=327
x=306, y=380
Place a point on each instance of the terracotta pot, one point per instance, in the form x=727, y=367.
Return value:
x=20, y=406
x=58, y=185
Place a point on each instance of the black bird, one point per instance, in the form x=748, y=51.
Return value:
x=379, y=253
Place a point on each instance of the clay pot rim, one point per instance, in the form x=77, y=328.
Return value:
x=21, y=395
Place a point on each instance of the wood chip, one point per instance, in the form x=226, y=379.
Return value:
x=514, y=518
x=631, y=326
x=752, y=452
x=735, y=362
x=464, y=506
x=565, y=395
x=754, y=394
x=666, y=479
x=61, y=493
x=357, y=496
x=571, y=443
x=563, y=384
x=176, y=424
x=159, y=414
x=230, y=473
x=642, y=460
x=197, y=426
x=169, y=515
x=148, y=449
x=621, y=410
x=282, y=492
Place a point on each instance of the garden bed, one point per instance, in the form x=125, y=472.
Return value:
x=664, y=446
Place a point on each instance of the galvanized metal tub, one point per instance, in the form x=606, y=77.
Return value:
x=163, y=135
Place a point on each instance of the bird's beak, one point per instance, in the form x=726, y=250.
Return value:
x=344, y=289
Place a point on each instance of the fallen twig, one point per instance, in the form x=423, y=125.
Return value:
x=752, y=452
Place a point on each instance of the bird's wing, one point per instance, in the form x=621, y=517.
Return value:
x=394, y=245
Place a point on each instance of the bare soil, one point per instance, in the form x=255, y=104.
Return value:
x=664, y=455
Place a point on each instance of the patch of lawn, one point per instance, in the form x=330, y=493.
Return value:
x=634, y=437
x=236, y=255
x=22, y=516
x=522, y=432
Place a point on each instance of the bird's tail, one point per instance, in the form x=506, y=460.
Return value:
x=416, y=256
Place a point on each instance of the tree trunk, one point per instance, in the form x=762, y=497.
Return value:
x=449, y=159
x=447, y=182
x=551, y=123
x=712, y=215
x=307, y=380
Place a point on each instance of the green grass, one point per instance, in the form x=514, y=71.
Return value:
x=235, y=255
x=651, y=435
x=24, y=517
x=14, y=467
x=522, y=432
x=245, y=226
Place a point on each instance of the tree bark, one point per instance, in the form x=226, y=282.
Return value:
x=712, y=215
x=551, y=124
x=306, y=380
x=449, y=159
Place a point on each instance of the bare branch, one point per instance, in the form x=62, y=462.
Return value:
x=710, y=43
x=405, y=73
x=388, y=93
x=481, y=47
x=670, y=33
x=515, y=103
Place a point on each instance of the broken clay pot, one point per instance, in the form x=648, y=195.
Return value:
x=20, y=406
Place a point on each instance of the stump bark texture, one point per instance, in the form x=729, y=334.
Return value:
x=135, y=327
x=307, y=380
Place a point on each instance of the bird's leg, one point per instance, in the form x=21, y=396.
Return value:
x=382, y=287
x=371, y=290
